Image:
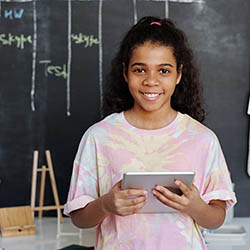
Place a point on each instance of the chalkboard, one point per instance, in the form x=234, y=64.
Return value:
x=55, y=55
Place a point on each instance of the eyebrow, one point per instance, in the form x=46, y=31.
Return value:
x=143, y=64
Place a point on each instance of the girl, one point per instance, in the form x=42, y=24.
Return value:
x=154, y=109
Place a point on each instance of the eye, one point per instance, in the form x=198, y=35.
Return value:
x=139, y=70
x=164, y=71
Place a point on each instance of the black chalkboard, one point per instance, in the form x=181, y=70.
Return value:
x=55, y=55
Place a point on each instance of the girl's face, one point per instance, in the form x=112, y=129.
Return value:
x=152, y=77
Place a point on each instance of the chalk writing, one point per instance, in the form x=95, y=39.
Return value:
x=59, y=71
x=11, y=14
x=10, y=39
x=87, y=40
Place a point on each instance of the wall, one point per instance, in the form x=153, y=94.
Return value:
x=54, y=58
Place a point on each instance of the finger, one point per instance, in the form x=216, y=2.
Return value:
x=117, y=185
x=183, y=187
x=134, y=193
x=167, y=193
x=194, y=188
x=134, y=201
x=167, y=201
x=132, y=209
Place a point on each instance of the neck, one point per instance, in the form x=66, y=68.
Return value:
x=150, y=120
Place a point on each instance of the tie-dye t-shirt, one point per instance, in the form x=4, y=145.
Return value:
x=113, y=146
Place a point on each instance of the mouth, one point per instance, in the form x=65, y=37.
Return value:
x=151, y=96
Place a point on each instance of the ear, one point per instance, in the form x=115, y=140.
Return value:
x=124, y=73
x=179, y=74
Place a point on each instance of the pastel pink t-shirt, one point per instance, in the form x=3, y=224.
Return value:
x=113, y=146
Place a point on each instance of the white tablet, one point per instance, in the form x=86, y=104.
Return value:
x=148, y=180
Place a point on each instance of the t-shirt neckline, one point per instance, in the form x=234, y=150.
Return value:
x=152, y=131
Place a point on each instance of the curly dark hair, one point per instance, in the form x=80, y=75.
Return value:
x=187, y=97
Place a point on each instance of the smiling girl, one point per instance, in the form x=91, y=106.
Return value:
x=153, y=123
x=151, y=77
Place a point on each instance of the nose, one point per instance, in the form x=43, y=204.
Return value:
x=151, y=79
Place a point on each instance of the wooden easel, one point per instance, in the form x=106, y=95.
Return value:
x=43, y=171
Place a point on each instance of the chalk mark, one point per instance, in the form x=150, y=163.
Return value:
x=100, y=55
x=166, y=9
x=19, y=1
x=34, y=54
x=135, y=12
x=69, y=55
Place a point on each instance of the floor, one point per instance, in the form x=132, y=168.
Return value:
x=46, y=236
x=47, y=231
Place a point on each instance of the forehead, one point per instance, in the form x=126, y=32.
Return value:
x=153, y=53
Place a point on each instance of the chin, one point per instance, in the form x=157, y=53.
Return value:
x=150, y=110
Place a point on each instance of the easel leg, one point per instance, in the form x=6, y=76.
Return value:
x=53, y=181
x=34, y=178
x=42, y=187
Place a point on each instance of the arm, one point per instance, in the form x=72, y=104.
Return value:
x=89, y=216
x=115, y=202
x=210, y=215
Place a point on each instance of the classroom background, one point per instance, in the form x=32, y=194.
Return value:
x=55, y=55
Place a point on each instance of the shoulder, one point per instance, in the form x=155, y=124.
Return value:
x=197, y=129
x=104, y=126
x=96, y=134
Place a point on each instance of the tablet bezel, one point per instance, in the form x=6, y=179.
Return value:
x=148, y=180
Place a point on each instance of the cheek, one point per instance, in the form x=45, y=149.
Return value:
x=132, y=82
x=133, y=91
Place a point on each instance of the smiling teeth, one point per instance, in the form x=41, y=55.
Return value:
x=151, y=95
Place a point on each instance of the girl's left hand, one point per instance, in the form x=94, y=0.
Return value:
x=189, y=202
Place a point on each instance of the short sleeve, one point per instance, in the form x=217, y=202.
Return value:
x=218, y=184
x=84, y=183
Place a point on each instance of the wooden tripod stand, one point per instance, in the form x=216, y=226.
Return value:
x=43, y=171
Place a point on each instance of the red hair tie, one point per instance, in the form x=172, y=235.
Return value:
x=156, y=23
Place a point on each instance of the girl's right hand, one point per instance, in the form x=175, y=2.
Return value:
x=119, y=201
